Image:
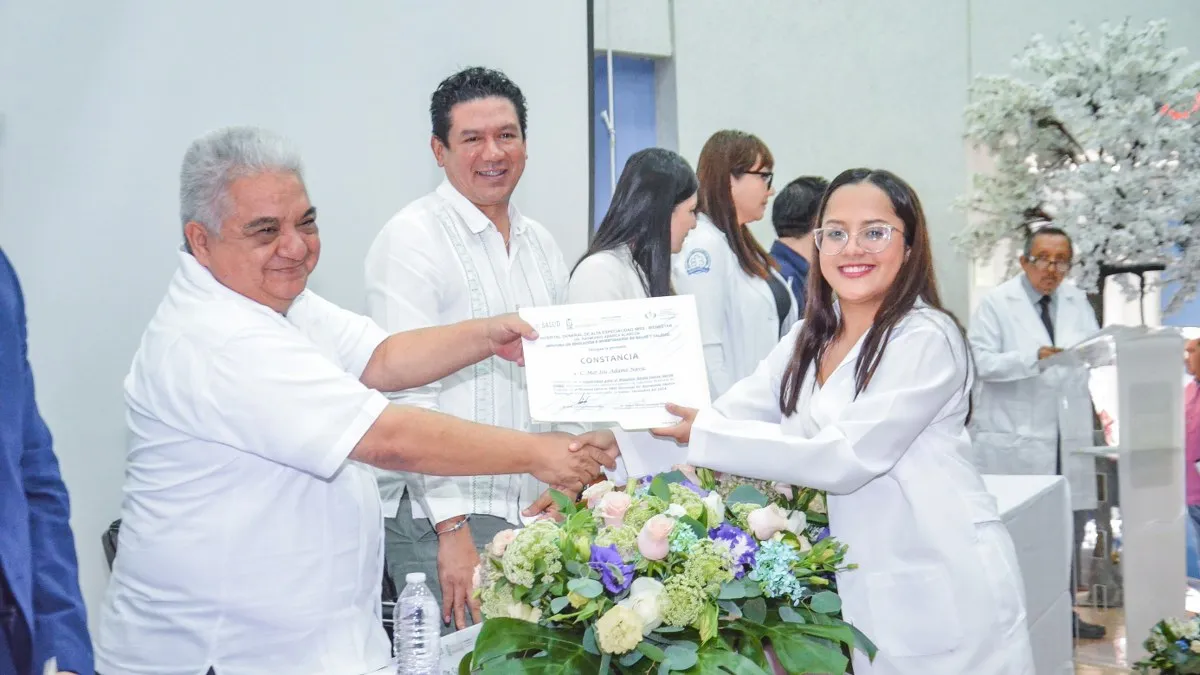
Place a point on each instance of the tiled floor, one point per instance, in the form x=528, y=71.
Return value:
x=1108, y=652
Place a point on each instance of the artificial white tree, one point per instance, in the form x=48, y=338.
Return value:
x=1104, y=142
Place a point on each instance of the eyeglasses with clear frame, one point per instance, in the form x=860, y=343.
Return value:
x=872, y=239
x=767, y=176
x=1043, y=264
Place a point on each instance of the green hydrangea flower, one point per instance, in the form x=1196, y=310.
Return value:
x=740, y=512
x=690, y=501
x=534, y=544
x=709, y=565
x=685, y=599
x=495, y=600
x=682, y=538
x=643, y=509
x=624, y=538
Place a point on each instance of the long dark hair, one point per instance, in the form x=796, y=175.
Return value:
x=728, y=154
x=914, y=281
x=653, y=182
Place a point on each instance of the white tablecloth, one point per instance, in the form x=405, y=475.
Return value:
x=1036, y=510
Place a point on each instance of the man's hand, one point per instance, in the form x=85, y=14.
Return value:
x=682, y=430
x=1047, y=352
x=556, y=463
x=456, y=563
x=544, y=506
x=601, y=439
x=504, y=335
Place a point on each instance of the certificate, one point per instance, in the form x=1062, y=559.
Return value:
x=615, y=362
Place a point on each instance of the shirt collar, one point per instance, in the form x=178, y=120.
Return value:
x=1035, y=296
x=782, y=251
x=201, y=279
x=472, y=216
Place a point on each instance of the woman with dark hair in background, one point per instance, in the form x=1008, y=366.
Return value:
x=793, y=215
x=744, y=304
x=868, y=399
x=652, y=209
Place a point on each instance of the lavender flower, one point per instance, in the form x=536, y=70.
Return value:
x=741, y=546
x=821, y=534
x=615, y=573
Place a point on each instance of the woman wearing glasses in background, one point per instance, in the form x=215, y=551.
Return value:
x=743, y=302
x=868, y=399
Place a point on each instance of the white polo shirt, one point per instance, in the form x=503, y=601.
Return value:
x=249, y=543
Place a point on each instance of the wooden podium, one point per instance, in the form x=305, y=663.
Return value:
x=1136, y=371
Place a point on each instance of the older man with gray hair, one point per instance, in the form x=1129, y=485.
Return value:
x=251, y=538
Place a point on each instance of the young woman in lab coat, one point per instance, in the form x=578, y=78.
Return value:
x=653, y=208
x=744, y=304
x=868, y=398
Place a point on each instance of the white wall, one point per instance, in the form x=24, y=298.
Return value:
x=833, y=85
x=101, y=99
x=641, y=27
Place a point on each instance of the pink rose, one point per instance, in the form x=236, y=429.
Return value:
x=652, y=540
x=689, y=472
x=767, y=521
x=613, y=506
x=593, y=494
x=784, y=489
x=501, y=541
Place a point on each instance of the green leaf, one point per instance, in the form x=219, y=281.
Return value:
x=731, y=608
x=746, y=494
x=686, y=644
x=755, y=610
x=605, y=664
x=588, y=588
x=697, y=526
x=669, y=629
x=862, y=643
x=826, y=602
x=464, y=666
x=721, y=660
x=673, y=477
x=559, y=604
x=753, y=590
x=566, y=505
x=803, y=654
x=708, y=622
x=502, y=640
x=664, y=668
x=651, y=651
x=589, y=641
x=789, y=615
x=732, y=590
x=630, y=658
x=658, y=488
x=680, y=658
x=576, y=568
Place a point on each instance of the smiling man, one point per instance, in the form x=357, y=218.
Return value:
x=251, y=532
x=463, y=252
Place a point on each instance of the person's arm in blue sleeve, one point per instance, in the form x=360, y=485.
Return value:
x=59, y=620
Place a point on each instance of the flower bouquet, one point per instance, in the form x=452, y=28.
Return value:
x=1174, y=648
x=687, y=571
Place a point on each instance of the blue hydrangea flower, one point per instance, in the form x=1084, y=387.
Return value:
x=682, y=537
x=616, y=574
x=741, y=546
x=774, y=573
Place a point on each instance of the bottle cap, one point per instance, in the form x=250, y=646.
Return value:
x=414, y=578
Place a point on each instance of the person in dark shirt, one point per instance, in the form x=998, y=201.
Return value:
x=792, y=215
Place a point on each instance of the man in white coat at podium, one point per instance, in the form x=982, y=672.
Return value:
x=1028, y=421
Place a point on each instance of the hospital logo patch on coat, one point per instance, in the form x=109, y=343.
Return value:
x=698, y=262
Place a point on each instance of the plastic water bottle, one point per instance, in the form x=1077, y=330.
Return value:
x=417, y=628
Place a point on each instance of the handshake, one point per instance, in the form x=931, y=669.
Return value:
x=568, y=463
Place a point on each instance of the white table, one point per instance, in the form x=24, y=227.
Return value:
x=1036, y=510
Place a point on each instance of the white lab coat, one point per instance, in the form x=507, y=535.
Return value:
x=938, y=588
x=738, y=320
x=1020, y=412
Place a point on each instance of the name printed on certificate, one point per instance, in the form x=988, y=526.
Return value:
x=619, y=362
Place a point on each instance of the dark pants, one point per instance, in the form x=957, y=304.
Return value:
x=16, y=645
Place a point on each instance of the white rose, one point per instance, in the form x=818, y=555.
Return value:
x=714, y=508
x=593, y=494
x=797, y=522
x=648, y=600
x=524, y=612
x=767, y=521
x=676, y=511
x=805, y=544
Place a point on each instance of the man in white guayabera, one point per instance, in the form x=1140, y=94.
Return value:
x=251, y=538
x=463, y=252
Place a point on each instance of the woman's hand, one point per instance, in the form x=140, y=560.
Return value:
x=682, y=430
